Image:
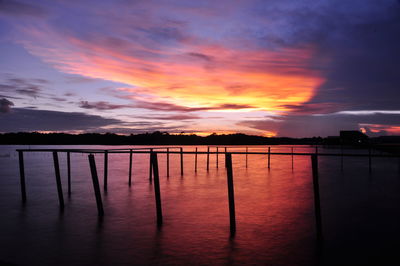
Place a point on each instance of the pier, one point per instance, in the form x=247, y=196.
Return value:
x=154, y=152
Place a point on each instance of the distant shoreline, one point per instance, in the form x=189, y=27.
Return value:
x=160, y=138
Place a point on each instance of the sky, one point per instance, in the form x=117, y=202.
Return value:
x=271, y=68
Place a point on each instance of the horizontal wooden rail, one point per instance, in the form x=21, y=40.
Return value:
x=211, y=152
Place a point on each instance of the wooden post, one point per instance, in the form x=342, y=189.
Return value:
x=167, y=162
x=208, y=158
x=157, y=193
x=247, y=150
x=181, y=161
x=58, y=180
x=216, y=158
x=69, y=172
x=316, y=149
x=225, y=150
x=96, y=185
x=269, y=157
x=195, y=161
x=130, y=168
x=369, y=160
x=317, y=205
x=292, y=159
x=105, y=170
x=22, y=175
x=150, y=167
x=231, y=193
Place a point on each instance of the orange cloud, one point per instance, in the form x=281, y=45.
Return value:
x=378, y=128
x=191, y=75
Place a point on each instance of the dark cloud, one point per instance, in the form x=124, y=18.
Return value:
x=79, y=79
x=58, y=99
x=234, y=106
x=16, y=8
x=363, y=73
x=356, y=42
x=167, y=107
x=355, y=46
x=158, y=106
x=22, y=87
x=178, y=108
x=312, y=108
x=20, y=119
x=5, y=105
x=102, y=105
x=171, y=117
x=201, y=56
x=11, y=97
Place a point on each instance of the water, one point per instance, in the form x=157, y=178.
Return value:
x=274, y=211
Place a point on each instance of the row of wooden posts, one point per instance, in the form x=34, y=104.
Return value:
x=154, y=174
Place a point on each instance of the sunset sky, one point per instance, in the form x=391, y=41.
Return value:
x=271, y=67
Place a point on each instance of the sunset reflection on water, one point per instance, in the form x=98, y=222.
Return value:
x=274, y=210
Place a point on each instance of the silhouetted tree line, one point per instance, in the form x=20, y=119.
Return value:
x=163, y=138
x=155, y=138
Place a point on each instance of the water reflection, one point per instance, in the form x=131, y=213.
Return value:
x=274, y=211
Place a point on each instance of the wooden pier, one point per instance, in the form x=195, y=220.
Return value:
x=153, y=153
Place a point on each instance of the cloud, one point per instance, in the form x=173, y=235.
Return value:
x=201, y=56
x=58, y=99
x=5, y=105
x=171, y=117
x=22, y=86
x=268, y=78
x=20, y=119
x=101, y=105
x=140, y=130
x=159, y=106
x=16, y=8
x=297, y=58
x=359, y=42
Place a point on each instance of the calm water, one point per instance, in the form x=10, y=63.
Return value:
x=274, y=211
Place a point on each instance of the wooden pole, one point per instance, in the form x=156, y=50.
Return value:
x=130, y=168
x=69, y=172
x=208, y=158
x=150, y=167
x=195, y=161
x=96, y=185
x=167, y=162
x=216, y=162
x=247, y=150
x=231, y=193
x=225, y=150
x=292, y=159
x=317, y=205
x=157, y=193
x=58, y=180
x=105, y=170
x=181, y=161
x=269, y=157
x=22, y=175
